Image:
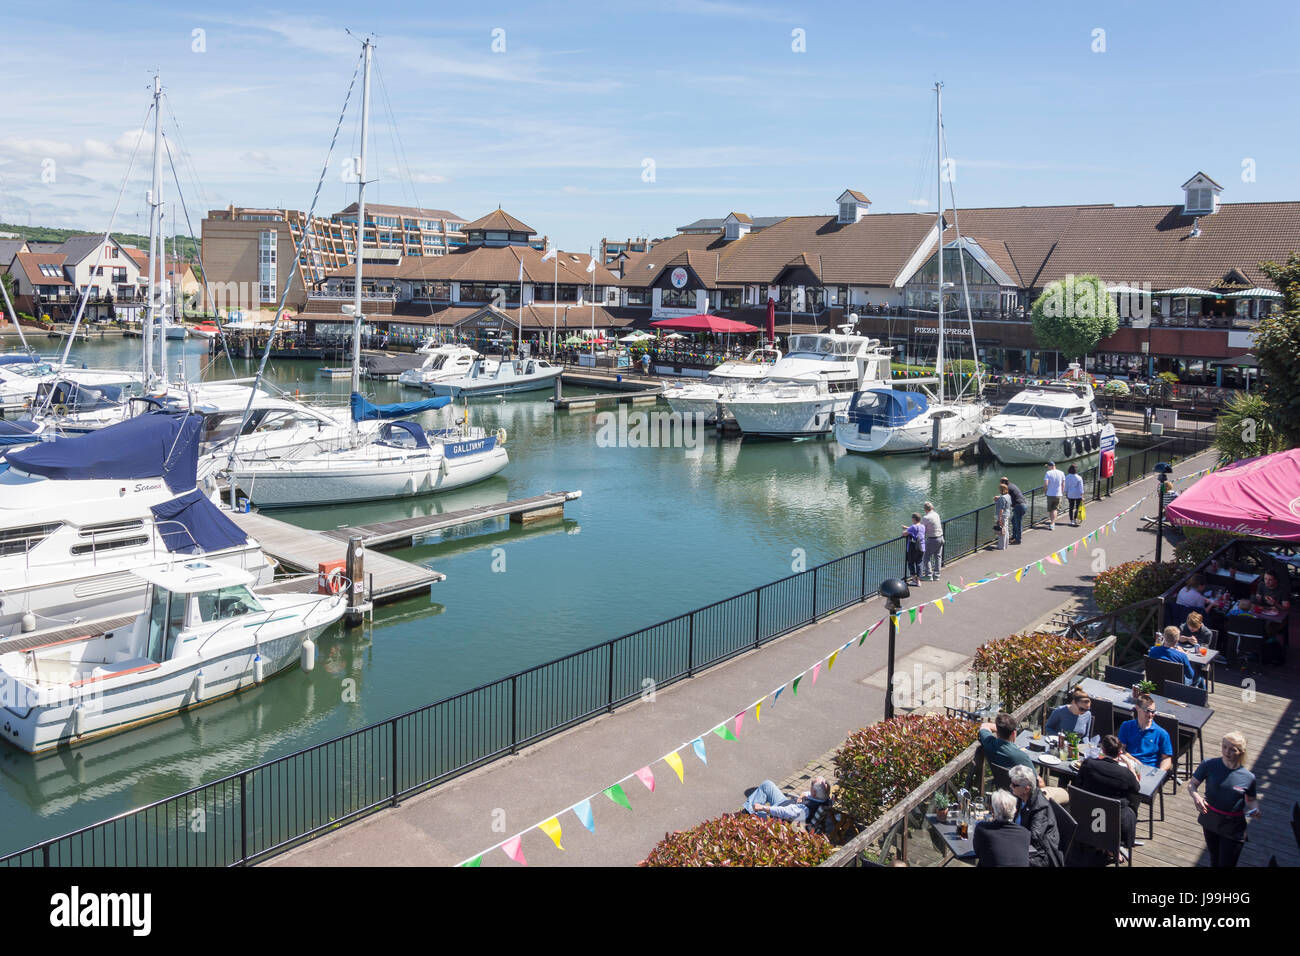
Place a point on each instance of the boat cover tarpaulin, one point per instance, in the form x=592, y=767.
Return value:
x=192, y=524
x=886, y=408
x=1259, y=496
x=363, y=410
x=18, y=433
x=147, y=446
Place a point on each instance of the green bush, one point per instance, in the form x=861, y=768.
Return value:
x=1169, y=377
x=740, y=840
x=1199, y=544
x=1115, y=387
x=879, y=765
x=1134, y=581
x=1026, y=663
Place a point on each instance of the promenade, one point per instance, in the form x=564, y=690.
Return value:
x=471, y=813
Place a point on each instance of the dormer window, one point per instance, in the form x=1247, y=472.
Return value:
x=1200, y=195
x=853, y=206
x=736, y=225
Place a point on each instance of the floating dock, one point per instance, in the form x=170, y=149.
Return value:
x=401, y=532
x=635, y=392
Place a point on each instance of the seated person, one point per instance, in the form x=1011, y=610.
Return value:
x=767, y=800
x=1034, y=813
x=1194, y=631
x=1272, y=595
x=1001, y=841
x=999, y=742
x=1145, y=740
x=1193, y=595
x=1109, y=776
x=1167, y=650
x=1241, y=607
x=1072, y=717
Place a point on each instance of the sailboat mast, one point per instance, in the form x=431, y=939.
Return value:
x=164, y=319
x=938, y=357
x=155, y=216
x=361, y=221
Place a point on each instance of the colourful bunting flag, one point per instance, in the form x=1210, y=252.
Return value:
x=830, y=661
x=740, y=719
x=698, y=744
x=953, y=589
x=918, y=613
x=911, y=615
x=1019, y=572
x=1065, y=558
x=723, y=731
x=758, y=711
x=674, y=760
x=893, y=620
x=551, y=828
x=777, y=693
x=939, y=605
x=477, y=861
x=582, y=810
x=513, y=849
x=1041, y=569
x=794, y=685
x=844, y=646
x=1054, y=557
x=817, y=669
x=616, y=794
x=647, y=778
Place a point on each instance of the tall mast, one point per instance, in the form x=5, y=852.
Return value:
x=155, y=237
x=938, y=358
x=361, y=227
x=164, y=318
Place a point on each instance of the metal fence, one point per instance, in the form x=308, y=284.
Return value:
x=255, y=813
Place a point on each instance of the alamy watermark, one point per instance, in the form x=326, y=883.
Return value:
x=961, y=690
x=647, y=429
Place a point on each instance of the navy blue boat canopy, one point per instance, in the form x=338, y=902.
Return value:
x=192, y=524
x=147, y=446
x=19, y=359
x=887, y=407
x=17, y=432
x=363, y=410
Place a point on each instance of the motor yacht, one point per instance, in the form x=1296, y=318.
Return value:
x=487, y=377
x=1057, y=421
x=886, y=421
x=442, y=362
x=700, y=399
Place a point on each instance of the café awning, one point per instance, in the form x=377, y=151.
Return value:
x=1188, y=291
x=1256, y=293
x=704, y=323
x=1126, y=290
x=1258, y=496
x=1247, y=360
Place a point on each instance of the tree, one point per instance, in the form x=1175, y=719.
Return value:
x=1074, y=314
x=1277, y=343
x=1244, y=429
x=8, y=281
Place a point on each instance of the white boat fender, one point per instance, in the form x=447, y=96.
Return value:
x=200, y=686
x=501, y=436
x=29, y=622
x=308, y=659
x=259, y=669
x=78, y=720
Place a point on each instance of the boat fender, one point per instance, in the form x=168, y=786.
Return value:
x=308, y=659
x=259, y=669
x=200, y=686
x=501, y=436
x=29, y=622
x=78, y=720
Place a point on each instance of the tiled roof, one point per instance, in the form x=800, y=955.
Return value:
x=1207, y=179
x=759, y=222
x=31, y=263
x=490, y=264
x=412, y=212
x=499, y=219
x=856, y=195
x=1019, y=238
x=10, y=248
x=740, y=217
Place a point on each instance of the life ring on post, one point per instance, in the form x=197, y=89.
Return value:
x=60, y=410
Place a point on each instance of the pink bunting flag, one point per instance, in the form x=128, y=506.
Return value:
x=513, y=849
x=918, y=613
x=740, y=719
x=647, y=778
x=816, y=667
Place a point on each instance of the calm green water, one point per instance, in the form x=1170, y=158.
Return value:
x=656, y=533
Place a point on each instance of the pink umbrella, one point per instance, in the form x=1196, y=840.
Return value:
x=705, y=323
x=1258, y=496
x=771, y=319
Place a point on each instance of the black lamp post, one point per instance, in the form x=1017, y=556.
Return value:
x=1163, y=468
x=892, y=590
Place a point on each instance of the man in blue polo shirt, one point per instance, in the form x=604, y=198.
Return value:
x=1144, y=739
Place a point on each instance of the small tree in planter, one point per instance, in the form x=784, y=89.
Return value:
x=740, y=840
x=879, y=765
x=1026, y=663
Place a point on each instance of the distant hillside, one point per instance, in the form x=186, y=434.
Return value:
x=188, y=247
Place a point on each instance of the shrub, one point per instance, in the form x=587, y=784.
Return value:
x=1026, y=663
x=1115, y=387
x=740, y=840
x=1199, y=544
x=1134, y=581
x=1169, y=377
x=879, y=765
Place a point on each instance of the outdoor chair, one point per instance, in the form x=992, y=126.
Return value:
x=1198, y=696
x=1065, y=827
x=1250, y=650
x=1182, y=742
x=1159, y=671
x=1176, y=614
x=1103, y=717
x=1102, y=833
x=1001, y=777
x=1122, y=677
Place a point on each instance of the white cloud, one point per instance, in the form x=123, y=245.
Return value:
x=918, y=202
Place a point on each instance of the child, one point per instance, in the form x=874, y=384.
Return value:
x=1241, y=607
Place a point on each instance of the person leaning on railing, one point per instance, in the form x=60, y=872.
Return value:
x=998, y=740
x=1229, y=803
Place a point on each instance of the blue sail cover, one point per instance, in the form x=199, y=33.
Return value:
x=17, y=359
x=18, y=433
x=191, y=524
x=886, y=408
x=363, y=410
x=147, y=446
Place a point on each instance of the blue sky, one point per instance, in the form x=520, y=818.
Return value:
x=557, y=127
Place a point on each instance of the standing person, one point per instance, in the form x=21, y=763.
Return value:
x=915, y=548
x=1053, y=480
x=1018, y=509
x=1229, y=804
x=1074, y=494
x=933, y=542
x=1002, y=507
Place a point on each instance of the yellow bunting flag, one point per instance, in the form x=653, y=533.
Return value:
x=674, y=761
x=893, y=619
x=1019, y=572
x=830, y=661
x=551, y=828
x=939, y=605
x=758, y=710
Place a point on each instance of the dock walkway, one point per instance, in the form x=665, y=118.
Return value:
x=401, y=532
x=462, y=817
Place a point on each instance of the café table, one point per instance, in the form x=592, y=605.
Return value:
x=1202, y=662
x=1151, y=783
x=960, y=848
x=1190, y=717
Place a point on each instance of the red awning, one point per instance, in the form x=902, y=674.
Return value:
x=1258, y=496
x=705, y=323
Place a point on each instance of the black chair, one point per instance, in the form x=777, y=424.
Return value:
x=1182, y=741
x=1176, y=614
x=1103, y=717
x=1249, y=650
x=1001, y=777
x=1122, y=677
x=1102, y=831
x=1065, y=827
x=1199, y=696
x=1158, y=671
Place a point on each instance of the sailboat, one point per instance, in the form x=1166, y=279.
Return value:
x=401, y=458
x=884, y=421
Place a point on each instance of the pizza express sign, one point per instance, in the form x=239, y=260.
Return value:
x=678, y=277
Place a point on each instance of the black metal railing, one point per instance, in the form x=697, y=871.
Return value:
x=250, y=815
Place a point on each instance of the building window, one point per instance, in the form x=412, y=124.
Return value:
x=678, y=299
x=488, y=291
x=543, y=292
x=638, y=297
x=729, y=298
x=266, y=277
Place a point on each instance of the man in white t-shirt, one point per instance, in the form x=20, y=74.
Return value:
x=933, y=543
x=1052, y=482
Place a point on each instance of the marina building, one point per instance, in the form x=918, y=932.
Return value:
x=49, y=278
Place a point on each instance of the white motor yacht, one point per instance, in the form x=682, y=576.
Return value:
x=200, y=634
x=442, y=362
x=701, y=398
x=803, y=392
x=500, y=378
x=78, y=515
x=1058, y=421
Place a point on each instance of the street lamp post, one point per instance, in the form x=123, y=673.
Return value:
x=1163, y=468
x=892, y=590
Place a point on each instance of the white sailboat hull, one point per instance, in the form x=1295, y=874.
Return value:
x=957, y=423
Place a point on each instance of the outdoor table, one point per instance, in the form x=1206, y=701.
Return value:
x=1151, y=782
x=1190, y=717
x=1201, y=662
x=947, y=830
x=1240, y=576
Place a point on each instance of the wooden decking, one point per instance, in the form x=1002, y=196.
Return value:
x=400, y=532
x=73, y=632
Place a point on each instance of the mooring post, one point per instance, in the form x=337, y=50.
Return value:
x=355, y=569
x=559, y=388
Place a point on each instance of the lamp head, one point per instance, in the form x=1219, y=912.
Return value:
x=893, y=590
x=1163, y=470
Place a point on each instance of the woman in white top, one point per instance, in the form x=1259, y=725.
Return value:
x=1074, y=494
x=1193, y=595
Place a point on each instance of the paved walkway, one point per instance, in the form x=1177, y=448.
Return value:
x=467, y=815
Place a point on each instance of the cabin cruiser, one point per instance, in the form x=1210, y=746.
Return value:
x=802, y=393
x=441, y=362
x=509, y=375
x=78, y=515
x=1057, y=421
x=886, y=421
x=21, y=377
x=201, y=633
x=702, y=398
